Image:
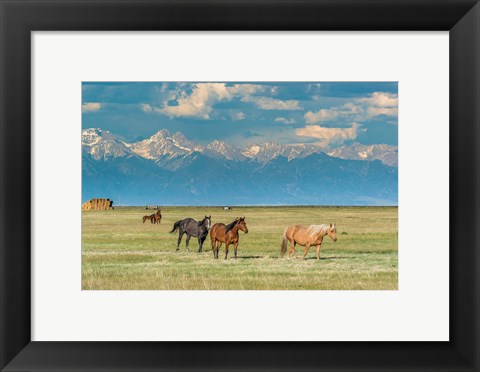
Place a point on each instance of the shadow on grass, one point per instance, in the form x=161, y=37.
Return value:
x=292, y=258
x=329, y=258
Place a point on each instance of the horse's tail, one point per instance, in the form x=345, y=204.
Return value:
x=284, y=243
x=176, y=225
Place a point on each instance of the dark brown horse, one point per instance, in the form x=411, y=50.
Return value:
x=154, y=218
x=306, y=236
x=151, y=218
x=157, y=216
x=228, y=234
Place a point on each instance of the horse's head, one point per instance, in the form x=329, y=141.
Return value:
x=207, y=222
x=332, y=232
x=242, y=225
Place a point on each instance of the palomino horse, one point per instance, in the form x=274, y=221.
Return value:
x=192, y=228
x=157, y=216
x=307, y=236
x=227, y=234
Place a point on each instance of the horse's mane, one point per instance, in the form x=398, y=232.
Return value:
x=230, y=226
x=317, y=229
x=202, y=221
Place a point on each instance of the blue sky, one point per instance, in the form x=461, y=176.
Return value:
x=329, y=114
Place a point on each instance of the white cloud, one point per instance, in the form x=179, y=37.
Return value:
x=284, y=120
x=348, y=109
x=238, y=116
x=380, y=103
x=388, y=111
x=267, y=103
x=381, y=99
x=91, y=106
x=204, y=95
x=328, y=136
x=361, y=109
x=273, y=90
x=146, y=107
x=163, y=88
x=314, y=86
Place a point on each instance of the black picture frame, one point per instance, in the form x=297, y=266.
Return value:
x=18, y=18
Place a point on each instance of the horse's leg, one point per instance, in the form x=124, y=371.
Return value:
x=180, y=235
x=226, y=250
x=318, y=251
x=213, y=247
x=200, y=243
x=306, y=250
x=187, y=240
x=219, y=244
x=289, y=249
x=292, y=248
x=235, y=246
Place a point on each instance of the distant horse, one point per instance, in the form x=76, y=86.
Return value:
x=227, y=234
x=306, y=236
x=192, y=228
x=151, y=218
x=157, y=217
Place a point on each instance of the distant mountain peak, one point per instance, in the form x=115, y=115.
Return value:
x=160, y=134
x=387, y=154
x=163, y=144
x=267, y=151
x=101, y=144
x=218, y=148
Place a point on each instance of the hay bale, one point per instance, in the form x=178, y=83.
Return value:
x=98, y=204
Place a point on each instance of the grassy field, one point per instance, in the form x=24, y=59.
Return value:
x=119, y=252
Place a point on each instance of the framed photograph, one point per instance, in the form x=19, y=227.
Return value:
x=239, y=185
x=267, y=159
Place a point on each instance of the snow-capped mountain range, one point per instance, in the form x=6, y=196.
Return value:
x=169, y=169
x=164, y=145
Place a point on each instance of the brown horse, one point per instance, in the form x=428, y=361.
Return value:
x=151, y=218
x=227, y=234
x=157, y=216
x=306, y=236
